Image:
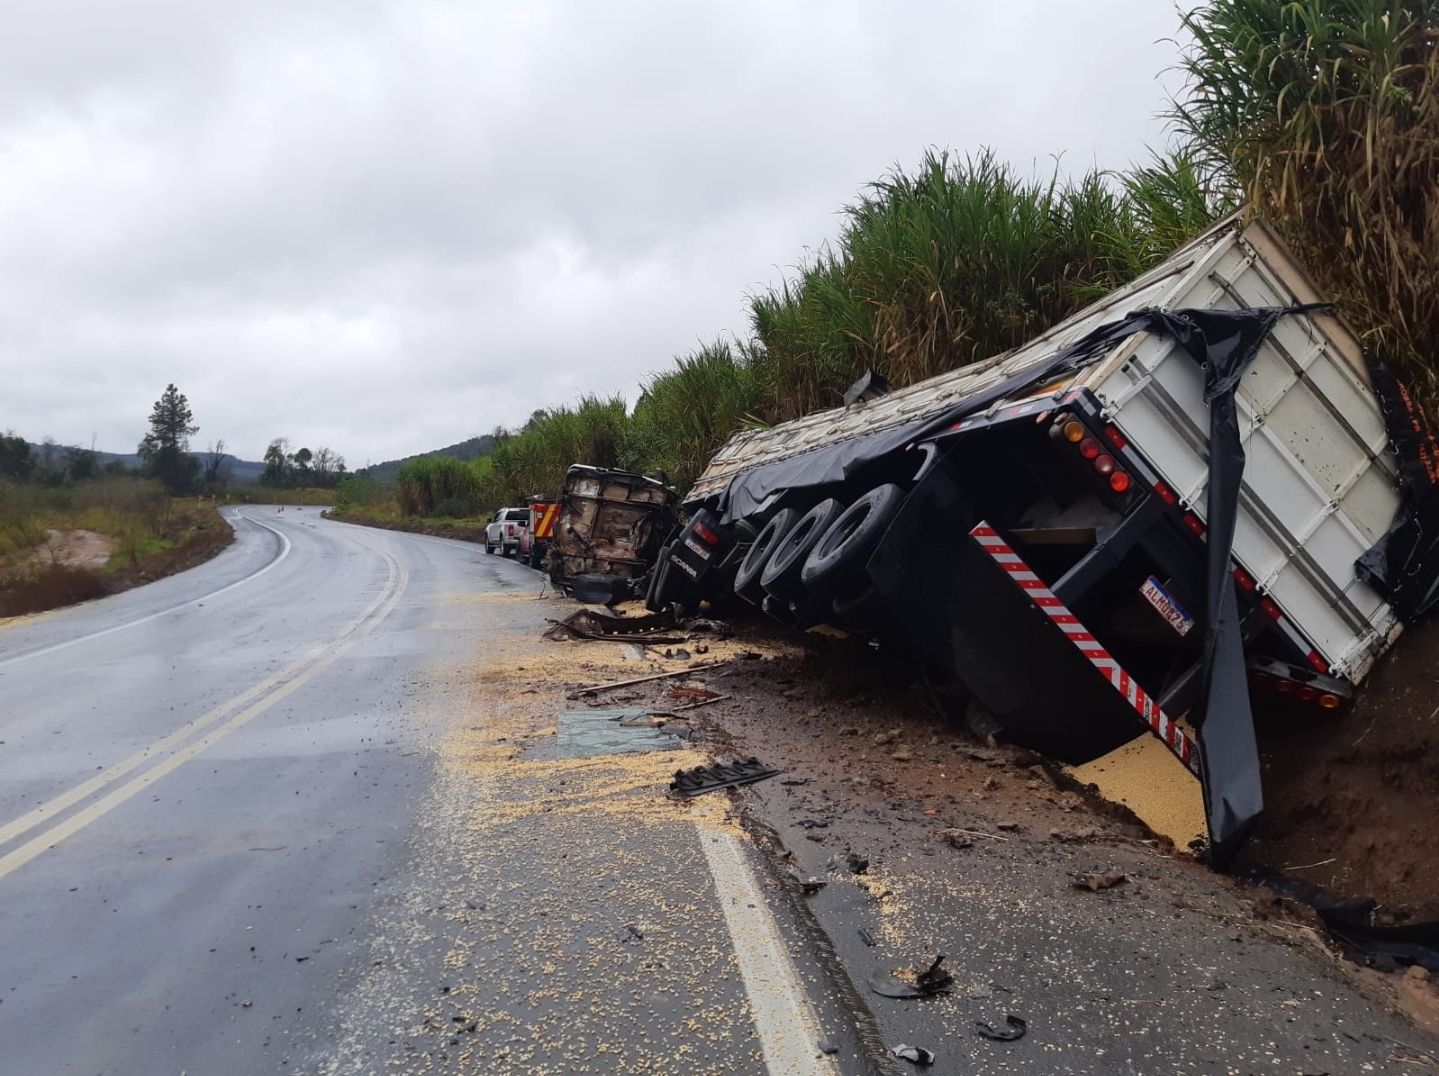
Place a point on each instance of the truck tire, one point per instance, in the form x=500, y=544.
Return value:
x=747, y=579
x=836, y=563
x=782, y=570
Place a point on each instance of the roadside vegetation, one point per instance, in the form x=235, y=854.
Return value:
x=1322, y=115
x=68, y=543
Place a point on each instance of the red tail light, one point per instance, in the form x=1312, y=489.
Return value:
x=1104, y=464
x=1193, y=523
x=1306, y=694
x=1089, y=448
x=1319, y=663
x=1119, y=481
x=1115, y=437
x=1284, y=687
x=708, y=536
x=1244, y=580
x=1270, y=608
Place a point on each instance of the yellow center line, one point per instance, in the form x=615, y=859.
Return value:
x=317, y=659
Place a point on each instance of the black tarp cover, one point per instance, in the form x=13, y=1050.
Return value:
x=1223, y=343
x=1404, y=566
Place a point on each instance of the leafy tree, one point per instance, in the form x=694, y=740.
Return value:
x=277, y=464
x=81, y=464
x=166, y=448
x=16, y=460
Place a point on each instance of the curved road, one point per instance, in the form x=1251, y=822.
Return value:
x=233, y=840
x=201, y=782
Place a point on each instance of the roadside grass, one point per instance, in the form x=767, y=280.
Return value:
x=254, y=494
x=153, y=534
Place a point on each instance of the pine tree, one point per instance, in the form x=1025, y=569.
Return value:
x=166, y=448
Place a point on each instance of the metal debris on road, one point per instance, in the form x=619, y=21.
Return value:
x=592, y=624
x=702, y=779
x=913, y=982
x=918, y=1054
x=661, y=627
x=1014, y=1028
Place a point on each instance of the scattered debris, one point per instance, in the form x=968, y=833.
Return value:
x=702, y=702
x=918, y=1054
x=693, y=693
x=866, y=937
x=827, y=1047
x=718, y=628
x=593, y=624
x=594, y=689
x=1014, y=1029
x=704, y=779
x=587, y=733
x=907, y=983
x=951, y=834
x=677, y=654
x=811, y=886
x=1097, y=880
x=856, y=864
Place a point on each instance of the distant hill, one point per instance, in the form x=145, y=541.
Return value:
x=474, y=448
x=241, y=471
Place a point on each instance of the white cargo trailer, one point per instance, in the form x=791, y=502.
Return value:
x=1079, y=467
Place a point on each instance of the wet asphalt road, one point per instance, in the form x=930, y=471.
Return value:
x=231, y=842
x=200, y=781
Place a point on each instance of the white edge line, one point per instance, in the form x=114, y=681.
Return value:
x=284, y=552
x=783, y=1019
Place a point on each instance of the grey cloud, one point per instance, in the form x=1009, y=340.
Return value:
x=389, y=225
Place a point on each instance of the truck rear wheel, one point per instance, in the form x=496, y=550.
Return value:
x=836, y=563
x=781, y=576
x=747, y=579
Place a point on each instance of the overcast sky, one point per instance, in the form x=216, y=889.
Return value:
x=387, y=225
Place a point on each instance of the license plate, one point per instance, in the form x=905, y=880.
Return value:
x=701, y=551
x=1167, y=607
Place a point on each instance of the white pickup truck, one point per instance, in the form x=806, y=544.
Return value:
x=1142, y=516
x=502, y=533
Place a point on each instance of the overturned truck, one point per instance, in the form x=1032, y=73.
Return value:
x=1183, y=494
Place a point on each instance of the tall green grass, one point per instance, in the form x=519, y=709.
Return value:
x=686, y=413
x=438, y=486
x=953, y=262
x=534, y=462
x=1324, y=116
x=132, y=511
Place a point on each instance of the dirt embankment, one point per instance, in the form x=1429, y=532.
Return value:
x=1351, y=798
x=79, y=565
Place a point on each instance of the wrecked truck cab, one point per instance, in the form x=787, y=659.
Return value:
x=1132, y=522
x=611, y=524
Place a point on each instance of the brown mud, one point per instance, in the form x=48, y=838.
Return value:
x=1352, y=798
x=879, y=766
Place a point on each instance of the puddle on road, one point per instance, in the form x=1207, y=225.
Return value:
x=585, y=733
